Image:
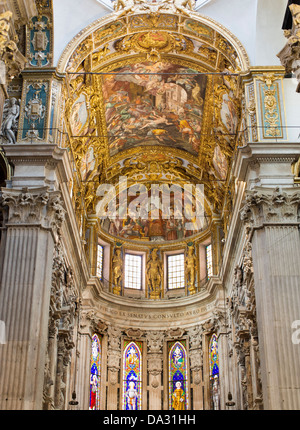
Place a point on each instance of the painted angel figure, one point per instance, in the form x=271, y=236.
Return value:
x=10, y=123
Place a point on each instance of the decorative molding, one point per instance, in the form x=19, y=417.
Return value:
x=86, y=36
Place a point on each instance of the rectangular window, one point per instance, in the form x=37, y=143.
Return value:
x=175, y=271
x=99, y=272
x=209, y=265
x=133, y=271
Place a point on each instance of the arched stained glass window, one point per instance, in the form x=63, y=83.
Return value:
x=132, y=376
x=214, y=372
x=95, y=374
x=178, y=389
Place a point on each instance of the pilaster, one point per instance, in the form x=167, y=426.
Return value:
x=155, y=367
x=272, y=216
x=33, y=227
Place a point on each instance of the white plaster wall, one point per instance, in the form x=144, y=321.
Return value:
x=239, y=16
x=256, y=23
x=292, y=109
x=269, y=36
x=72, y=16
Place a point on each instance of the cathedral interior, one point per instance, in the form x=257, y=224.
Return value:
x=149, y=205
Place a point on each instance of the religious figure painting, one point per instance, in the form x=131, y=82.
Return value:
x=88, y=164
x=220, y=164
x=229, y=114
x=173, y=216
x=178, y=397
x=79, y=115
x=95, y=374
x=132, y=373
x=154, y=104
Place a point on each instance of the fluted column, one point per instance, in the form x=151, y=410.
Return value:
x=33, y=227
x=273, y=217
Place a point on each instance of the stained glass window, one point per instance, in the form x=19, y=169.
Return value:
x=175, y=271
x=133, y=271
x=214, y=372
x=209, y=263
x=132, y=376
x=95, y=374
x=99, y=262
x=178, y=389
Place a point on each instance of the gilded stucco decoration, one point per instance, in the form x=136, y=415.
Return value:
x=152, y=95
x=39, y=50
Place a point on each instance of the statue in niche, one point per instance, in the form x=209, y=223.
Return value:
x=10, y=122
x=117, y=271
x=178, y=398
x=190, y=267
x=154, y=274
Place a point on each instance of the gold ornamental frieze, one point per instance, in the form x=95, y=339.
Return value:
x=148, y=21
x=154, y=43
x=181, y=32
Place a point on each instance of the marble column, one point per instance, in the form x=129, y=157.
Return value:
x=273, y=216
x=33, y=228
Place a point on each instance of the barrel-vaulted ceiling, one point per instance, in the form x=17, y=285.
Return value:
x=153, y=97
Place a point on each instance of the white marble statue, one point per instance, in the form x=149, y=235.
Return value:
x=124, y=7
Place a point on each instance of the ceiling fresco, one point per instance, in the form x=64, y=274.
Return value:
x=169, y=214
x=154, y=104
x=154, y=98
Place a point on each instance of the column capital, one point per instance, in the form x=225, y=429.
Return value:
x=35, y=207
x=271, y=206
